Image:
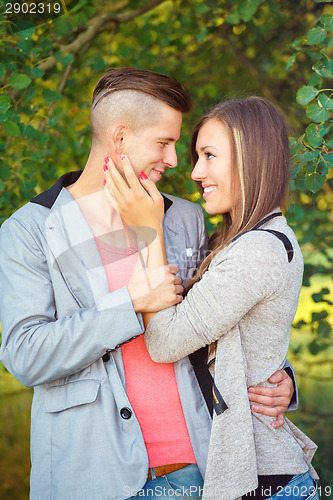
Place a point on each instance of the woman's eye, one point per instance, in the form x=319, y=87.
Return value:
x=209, y=155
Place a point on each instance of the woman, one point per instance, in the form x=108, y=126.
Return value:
x=243, y=298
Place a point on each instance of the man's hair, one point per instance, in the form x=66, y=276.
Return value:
x=135, y=96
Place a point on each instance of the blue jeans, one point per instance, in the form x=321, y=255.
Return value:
x=300, y=487
x=183, y=483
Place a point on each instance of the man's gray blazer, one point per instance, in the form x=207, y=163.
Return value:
x=58, y=321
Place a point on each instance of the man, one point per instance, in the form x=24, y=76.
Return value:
x=106, y=420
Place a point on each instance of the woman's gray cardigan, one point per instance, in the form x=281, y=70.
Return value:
x=246, y=301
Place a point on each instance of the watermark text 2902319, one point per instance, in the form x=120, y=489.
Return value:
x=26, y=14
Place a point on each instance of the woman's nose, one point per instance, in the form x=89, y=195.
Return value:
x=198, y=171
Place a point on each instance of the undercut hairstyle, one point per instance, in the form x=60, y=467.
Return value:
x=260, y=166
x=134, y=96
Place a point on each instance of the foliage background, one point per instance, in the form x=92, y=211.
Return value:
x=219, y=49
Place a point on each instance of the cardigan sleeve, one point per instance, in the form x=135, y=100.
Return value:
x=241, y=275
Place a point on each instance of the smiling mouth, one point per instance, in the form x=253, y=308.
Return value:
x=158, y=173
x=210, y=189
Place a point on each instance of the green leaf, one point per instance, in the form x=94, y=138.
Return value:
x=324, y=329
x=19, y=81
x=64, y=57
x=308, y=156
x=51, y=96
x=316, y=35
x=35, y=72
x=328, y=158
x=290, y=62
x=324, y=68
x=318, y=316
x=327, y=21
x=313, y=136
x=315, y=347
x=314, y=182
x=12, y=128
x=4, y=103
x=30, y=131
x=201, y=8
x=297, y=45
x=310, y=167
x=233, y=17
x=325, y=101
x=25, y=28
x=317, y=114
x=314, y=79
x=247, y=9
x=305, y=94
x=322, y=168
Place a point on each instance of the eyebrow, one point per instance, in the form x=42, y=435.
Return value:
x=205, y=147
x=167, y=139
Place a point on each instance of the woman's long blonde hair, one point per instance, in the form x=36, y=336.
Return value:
x=260, y=166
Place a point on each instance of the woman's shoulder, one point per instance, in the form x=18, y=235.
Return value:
x=256, y=248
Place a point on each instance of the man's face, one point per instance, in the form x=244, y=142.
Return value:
x=153, y=149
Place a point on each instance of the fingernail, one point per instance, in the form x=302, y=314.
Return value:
x=143, y=176
x=104, y=182
x=105, y=168
x=250, y=389
x=123, y=157
x=106, y=159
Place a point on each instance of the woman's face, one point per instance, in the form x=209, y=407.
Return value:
x=213, y=168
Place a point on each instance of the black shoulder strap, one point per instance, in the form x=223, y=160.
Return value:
x=287, y=244
x=282, y=237
x=199, y=362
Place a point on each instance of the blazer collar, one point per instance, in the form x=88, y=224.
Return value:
x=48, y=198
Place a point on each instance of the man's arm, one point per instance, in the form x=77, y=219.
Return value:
x=49, y=334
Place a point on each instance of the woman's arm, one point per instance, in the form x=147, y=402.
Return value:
x=143, y=209
x=251, y=270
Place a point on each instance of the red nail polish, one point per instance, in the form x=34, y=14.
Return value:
x=143, y=176
x=105, y=168
x=104, y=182
x=106, y=159
x=123, y=157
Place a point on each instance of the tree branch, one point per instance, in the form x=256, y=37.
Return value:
x=96, y=26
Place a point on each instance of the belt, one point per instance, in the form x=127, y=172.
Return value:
x=162, y=470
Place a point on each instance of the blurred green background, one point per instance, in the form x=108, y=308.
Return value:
x=219, y=49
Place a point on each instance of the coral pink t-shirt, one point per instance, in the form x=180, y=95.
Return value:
x=151, y=387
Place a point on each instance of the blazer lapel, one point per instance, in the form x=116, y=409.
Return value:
x=74, y=252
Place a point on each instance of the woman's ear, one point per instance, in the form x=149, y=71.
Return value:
x=119, y=134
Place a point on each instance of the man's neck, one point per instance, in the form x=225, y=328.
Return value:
x=89, y=194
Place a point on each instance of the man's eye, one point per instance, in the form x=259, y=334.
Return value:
x=163, y=144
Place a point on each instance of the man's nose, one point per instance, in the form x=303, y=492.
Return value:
x=170, y=158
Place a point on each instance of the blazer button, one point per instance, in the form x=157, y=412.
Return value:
x=125, y=413
x=106, y=357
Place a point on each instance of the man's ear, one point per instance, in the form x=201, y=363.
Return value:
x=118, y=136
